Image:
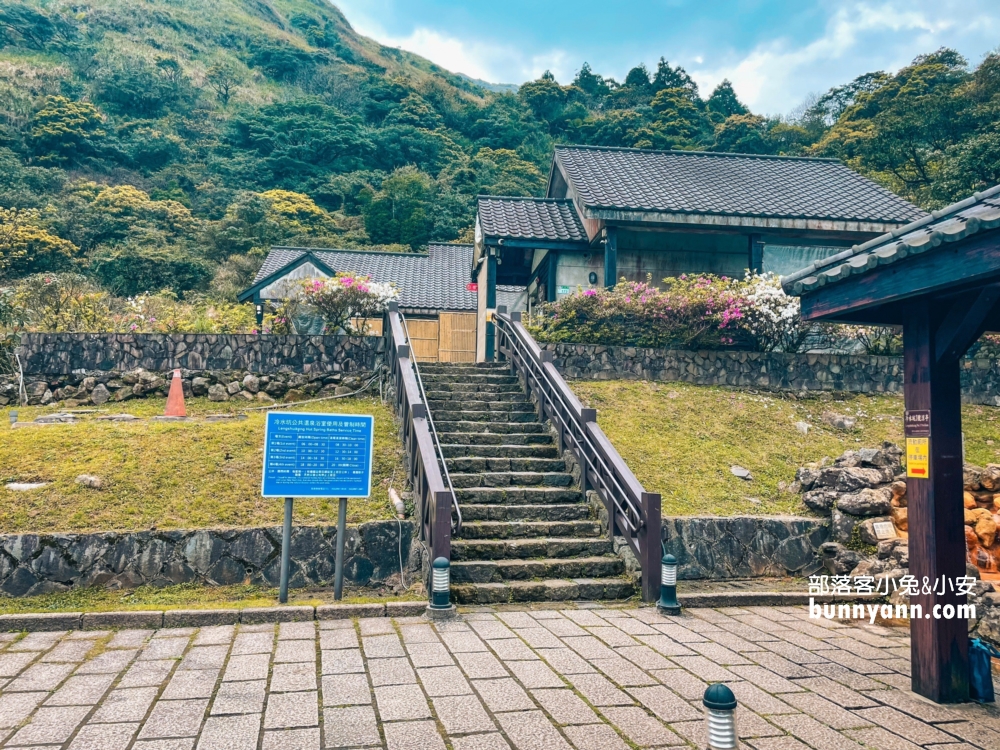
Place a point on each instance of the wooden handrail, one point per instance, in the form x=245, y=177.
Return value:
x=432, y=498
x=633, y=513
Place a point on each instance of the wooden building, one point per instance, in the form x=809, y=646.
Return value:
x=610, y=213
x=435, y=291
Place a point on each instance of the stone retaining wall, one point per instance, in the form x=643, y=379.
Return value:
x=63, y=353
x=33, y=564
x=97, y=387
x=768, y=371
x=745, y=546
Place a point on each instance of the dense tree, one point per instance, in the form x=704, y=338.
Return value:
x=24, y=244
x=724, y=103
x=66, y=132
x=191, y=138
x=142, y=266
x=224, y=77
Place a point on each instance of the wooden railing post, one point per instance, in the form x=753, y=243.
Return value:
x=649, y=546
x=442, y=526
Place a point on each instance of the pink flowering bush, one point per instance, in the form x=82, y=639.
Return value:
x=690, y=312
x=347, y=302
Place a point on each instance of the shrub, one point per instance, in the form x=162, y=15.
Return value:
x=347, y=301
x=133, y=269
x=690, y=312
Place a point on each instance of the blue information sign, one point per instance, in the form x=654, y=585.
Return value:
x=318, y=455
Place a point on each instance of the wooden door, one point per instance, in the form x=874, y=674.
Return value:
x=423, y=338
x=457, y=342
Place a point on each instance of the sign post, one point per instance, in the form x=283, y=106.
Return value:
x=317, y=455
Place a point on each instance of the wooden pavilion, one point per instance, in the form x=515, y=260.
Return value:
x=938, y=278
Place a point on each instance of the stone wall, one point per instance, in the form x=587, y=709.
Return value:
x=768, y=371
x=97, y=387
x=745, y=546
x=44, y=563
x=63, y=353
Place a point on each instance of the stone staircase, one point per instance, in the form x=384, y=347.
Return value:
x=528, y=533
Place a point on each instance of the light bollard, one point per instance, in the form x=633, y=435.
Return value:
x=721, y=705
x=668, y=603
x=440, y=606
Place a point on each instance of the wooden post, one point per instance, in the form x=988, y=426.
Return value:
x=939, y=648
x=649, y=546
x=441, y=524
x=611, y=257
x=756, y=254
x=491, y=303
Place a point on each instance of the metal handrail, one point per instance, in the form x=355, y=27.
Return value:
x=456, y=524
x=631, y=510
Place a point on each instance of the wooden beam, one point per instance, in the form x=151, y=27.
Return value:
x=975, y=260
x=611, y=257
x=756, y=254
x=939, y=650
x=964, y=323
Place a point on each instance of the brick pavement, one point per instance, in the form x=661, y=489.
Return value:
x=589, y=678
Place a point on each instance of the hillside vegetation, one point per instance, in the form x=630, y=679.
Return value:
x=164, y=144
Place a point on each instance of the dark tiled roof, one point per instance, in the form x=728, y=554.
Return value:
x=434, y=280
x=975, y=214
x=530, y=218
x=734, y=184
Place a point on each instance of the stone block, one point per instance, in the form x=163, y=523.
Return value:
x=258, y=615
x=138, y=620
x=46, y=621
x=199, y=618
x=349, y=611
x=405, y=609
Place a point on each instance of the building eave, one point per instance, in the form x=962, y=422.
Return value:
x=729, y=221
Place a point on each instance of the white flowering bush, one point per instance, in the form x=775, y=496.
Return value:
x=348, y=302
x=771, y=318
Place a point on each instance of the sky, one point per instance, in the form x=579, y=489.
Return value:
x=777, y=54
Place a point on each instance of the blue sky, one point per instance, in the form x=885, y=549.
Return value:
x=776, y=53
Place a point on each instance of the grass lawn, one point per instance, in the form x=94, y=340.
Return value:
x=171, y=475
x=681, y=440
x=183, y=596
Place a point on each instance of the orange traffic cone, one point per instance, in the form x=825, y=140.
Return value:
x=175, y=399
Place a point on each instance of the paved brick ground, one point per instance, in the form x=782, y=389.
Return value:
x=584, y=678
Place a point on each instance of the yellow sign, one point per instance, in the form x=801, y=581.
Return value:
x=918, y=457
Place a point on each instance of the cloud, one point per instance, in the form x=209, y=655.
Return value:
x=778, y=74
x=487, y=59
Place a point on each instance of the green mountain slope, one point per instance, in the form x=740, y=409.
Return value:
x=152, y=144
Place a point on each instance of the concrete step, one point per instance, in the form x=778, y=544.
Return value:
x=492, y=571
x=492, y=439
x=463, y=367
x=518, y=495
x=497, y=530
x=479, y=402
x=482, y=378
x=553, y=590
x=458, y=386
x=457, y=450
x=512, y=479
x=493, y=415
x=537, y=512
x=525, y=549
x=497, y=428
x=478, y=464
x=478, y=397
